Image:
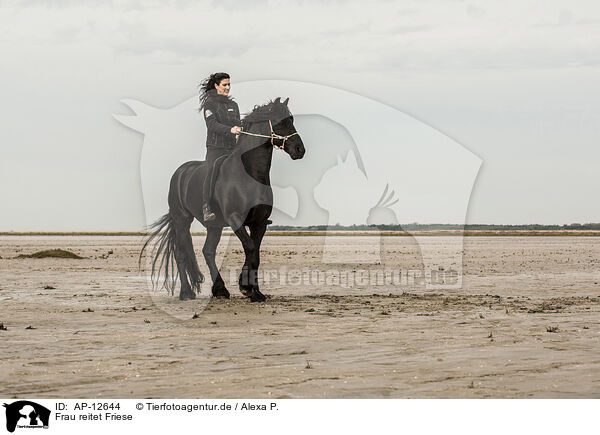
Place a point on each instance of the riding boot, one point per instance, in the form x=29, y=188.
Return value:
x=207, y=193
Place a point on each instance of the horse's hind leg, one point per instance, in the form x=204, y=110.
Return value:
x=185, y=258
x=213, y=236
x=248, y=282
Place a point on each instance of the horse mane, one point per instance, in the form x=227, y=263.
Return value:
x=274, y=110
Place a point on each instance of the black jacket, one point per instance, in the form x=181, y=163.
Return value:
x=220, y=113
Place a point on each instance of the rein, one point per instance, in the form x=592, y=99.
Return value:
x=272, y=136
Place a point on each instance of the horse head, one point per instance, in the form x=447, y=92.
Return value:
x=282, y=133
x=292, y=142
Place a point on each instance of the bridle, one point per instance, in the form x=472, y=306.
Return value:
x=272, y=136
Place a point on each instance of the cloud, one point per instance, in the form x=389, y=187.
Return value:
x=56, y=4
x=385, y=36
x=143, y=43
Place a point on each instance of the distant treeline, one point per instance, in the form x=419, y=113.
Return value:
x=590, y=229
x=439, y=227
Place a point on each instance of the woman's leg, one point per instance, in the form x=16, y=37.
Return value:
x=212, y=154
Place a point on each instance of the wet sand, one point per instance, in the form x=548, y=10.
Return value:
x=525, y=324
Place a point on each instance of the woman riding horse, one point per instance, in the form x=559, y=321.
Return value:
x=242, y=200
x=222, y=116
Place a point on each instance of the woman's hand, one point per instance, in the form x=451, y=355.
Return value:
x=236, y=130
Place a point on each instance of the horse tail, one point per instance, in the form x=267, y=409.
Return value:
x=163, y=232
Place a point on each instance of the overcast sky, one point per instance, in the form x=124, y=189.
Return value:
x=516, y=83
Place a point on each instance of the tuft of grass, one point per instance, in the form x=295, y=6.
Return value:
x=2, y=327
x=30, y=327
x=89, y=310
x=552, y=328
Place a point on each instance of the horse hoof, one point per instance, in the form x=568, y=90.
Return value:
x=246, y=290
x=257, y=297
x=221, y=296
x=221, y=293
x=187, y=296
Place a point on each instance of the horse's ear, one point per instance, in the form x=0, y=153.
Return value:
x=286, y=101
x=277, y=100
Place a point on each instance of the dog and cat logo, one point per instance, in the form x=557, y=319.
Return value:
x=25, y=414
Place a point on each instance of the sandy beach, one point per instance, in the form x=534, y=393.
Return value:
x=524, y=324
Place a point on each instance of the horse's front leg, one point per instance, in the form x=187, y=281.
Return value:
x=248, y=282
x=257, y=232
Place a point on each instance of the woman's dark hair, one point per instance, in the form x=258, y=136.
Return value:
x=207, y=87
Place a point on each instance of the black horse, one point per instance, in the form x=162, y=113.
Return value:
x=242, y=198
